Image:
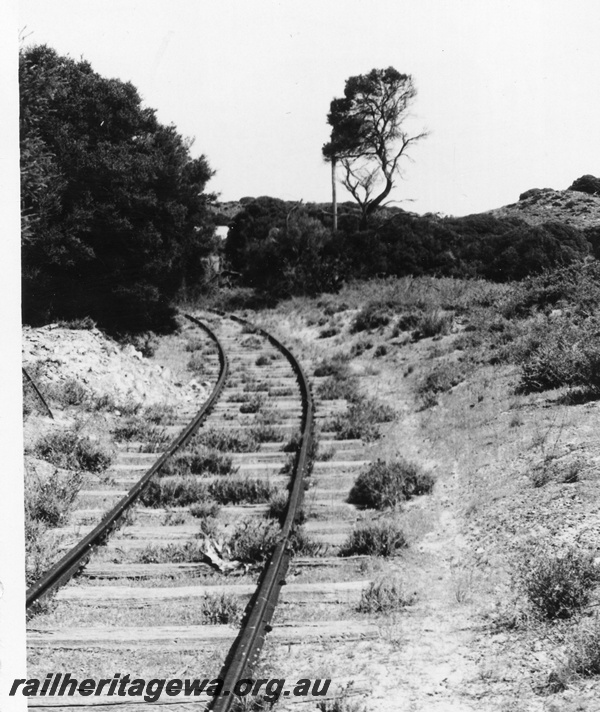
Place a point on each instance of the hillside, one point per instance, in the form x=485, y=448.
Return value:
x=540, y=205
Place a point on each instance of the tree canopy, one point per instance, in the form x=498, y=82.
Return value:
x=114, y=209
x=368, y=136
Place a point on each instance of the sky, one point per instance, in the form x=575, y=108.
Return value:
x=508, y=90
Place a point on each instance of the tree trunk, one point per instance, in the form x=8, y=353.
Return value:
x=334, y=194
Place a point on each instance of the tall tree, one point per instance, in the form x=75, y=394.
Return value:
x=368, y=137
x=114, y=207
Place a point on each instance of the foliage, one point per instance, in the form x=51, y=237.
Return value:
x=49, y=499
x=221, y=609
x=114, y=211
x=586, y=184
x=557, y=583
x=380, y=538
x=174, y=492
x=253, y=540
x=72, y=450
x=387, y=484
x=246, y=491
x=368, y=135
x=386, y=595
x=361, y=419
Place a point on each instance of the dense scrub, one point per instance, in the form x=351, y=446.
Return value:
x=284, y=249
x=114, y=212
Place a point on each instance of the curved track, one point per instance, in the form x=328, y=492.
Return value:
x=240, y=660
x=78, y=556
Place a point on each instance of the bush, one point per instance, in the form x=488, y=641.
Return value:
x=360, y=421
x=253, y=540
x=253, y=405
x=49, y=499
x=371, y=316
x=205, y=510
x=221, y=609
x=381, y=538
x=584, y=649
x=336, y=367
x=568, y=355
x=174, y=492
x=190, y=552
x=247, y=491
x=386, y=595
x=71, y=450
x=302, y=544
x=334, y=388
x=278, y=503
x=440, y=379
x=586, y=184
x=432, y=323
x=228, y=440
x=199, y=461
x=197, y=364
x=160, y=414
x=557, y=583
x=386, y=484
x=262, y=360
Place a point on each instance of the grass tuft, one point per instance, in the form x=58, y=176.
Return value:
x=386, y=595
x=381, y=538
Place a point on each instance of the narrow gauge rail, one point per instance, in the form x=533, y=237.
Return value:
x=78, y=556
x=246, y=648
x=243, y=655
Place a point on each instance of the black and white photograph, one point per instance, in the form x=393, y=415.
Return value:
x=301, y=361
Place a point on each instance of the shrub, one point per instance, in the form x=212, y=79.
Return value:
x=262, y=360
x=197, y=363
x=371, y=316
x=567, y=355
x=584, y=649
x=253, y=540
x=221, y=609
x=381, y=538
x=386, y=595
x=160, y=414
x=139, y=429
x=199, y=461
x=336, y=388
x=335, y=366
x=328, y=333
x=441, y=378
x=278, y=503
x=205, y=510
x=81, y=324
x=432, y=323
x=190, y=552
x=247, y=491
x=49, y=499
x=586, y=184
x=174, y=492
x=229, y=440
x=253, y=405
x=380, y=351
x=68, y=392
x=557, y=583
x=302, y=544
x=360, y=421
x=386, y=484
x=72, y=450
x=264, y=431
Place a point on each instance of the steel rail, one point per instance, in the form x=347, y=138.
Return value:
x=79, y=555
x=244, y=652
x=38, y=392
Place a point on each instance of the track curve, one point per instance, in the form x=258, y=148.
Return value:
x=76, y=557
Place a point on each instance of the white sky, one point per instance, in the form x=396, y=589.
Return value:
x=508, y=89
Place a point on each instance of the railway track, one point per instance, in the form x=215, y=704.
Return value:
x=266, y=399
